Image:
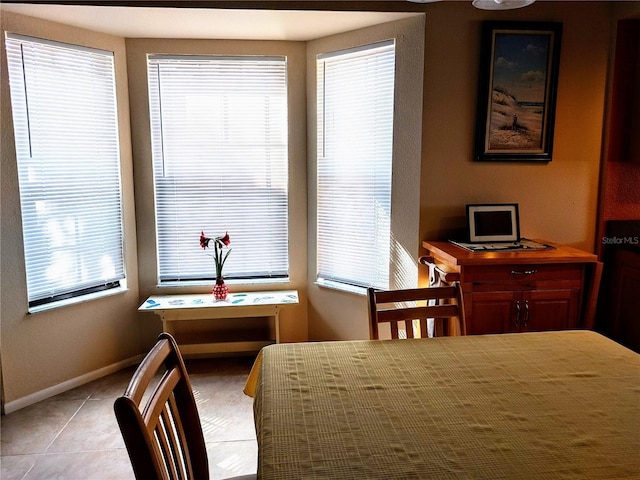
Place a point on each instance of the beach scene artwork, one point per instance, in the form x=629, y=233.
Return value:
x=519, y=92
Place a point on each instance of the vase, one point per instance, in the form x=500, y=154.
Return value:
x=220, y=289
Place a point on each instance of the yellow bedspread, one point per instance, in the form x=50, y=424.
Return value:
x=553, y=405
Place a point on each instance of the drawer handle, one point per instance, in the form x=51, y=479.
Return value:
x=525, y=323
x=524, y=272
x=516, y=322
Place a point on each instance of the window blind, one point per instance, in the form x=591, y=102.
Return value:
x=355, y=140
x=220, y=161
x=66, y=134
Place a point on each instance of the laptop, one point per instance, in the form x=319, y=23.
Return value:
x=495, y=227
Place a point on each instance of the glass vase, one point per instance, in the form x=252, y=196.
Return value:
x=220, y=289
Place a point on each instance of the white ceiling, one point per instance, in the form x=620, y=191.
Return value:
x=143, y=22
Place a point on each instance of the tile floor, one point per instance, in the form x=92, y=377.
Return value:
x=75, y=435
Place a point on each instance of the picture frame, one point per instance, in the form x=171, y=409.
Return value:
x=518, y=83
x=493, y=222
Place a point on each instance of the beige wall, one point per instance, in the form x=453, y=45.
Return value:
x=44, y=349
x=557, y=200
x=293, y=320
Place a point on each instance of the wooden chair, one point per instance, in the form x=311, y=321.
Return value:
x=159, y=419
x=447, y=308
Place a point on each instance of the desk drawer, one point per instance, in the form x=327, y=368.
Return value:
x=523, y=274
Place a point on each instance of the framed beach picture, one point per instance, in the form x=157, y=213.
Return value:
x=517, y=91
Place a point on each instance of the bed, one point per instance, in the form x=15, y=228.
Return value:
x=552, y=405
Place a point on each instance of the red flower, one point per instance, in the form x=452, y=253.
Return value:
x=204, y=241
x=226, y=240
x=219, y=243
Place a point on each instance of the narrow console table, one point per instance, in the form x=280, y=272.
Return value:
x=519, y=290
x=179, y=308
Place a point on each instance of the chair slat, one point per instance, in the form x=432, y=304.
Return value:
x=423, y=326
x=408, y=325
x=147, y=370
x=160, y=395
x=443, y=304
x=394, y=330
x=414, y=294
x=165, y=438
x=416, y=313
x=175, y=442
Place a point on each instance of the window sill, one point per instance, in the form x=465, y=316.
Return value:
x=81, y=299
x=343, y=287
x=200, y=283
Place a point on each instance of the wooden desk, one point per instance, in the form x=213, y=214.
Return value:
x=178, y=308
x=521, y=290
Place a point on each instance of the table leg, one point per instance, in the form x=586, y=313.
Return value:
x=166, y=325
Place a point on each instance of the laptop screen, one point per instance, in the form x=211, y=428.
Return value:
x=493, y=223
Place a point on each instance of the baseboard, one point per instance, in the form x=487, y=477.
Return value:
x=70, y=384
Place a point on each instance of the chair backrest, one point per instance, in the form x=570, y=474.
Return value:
x=159, y=419
x=443, y=304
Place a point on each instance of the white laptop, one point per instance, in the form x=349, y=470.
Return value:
x=496, y=227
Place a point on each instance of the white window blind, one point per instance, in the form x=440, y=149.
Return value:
x=220, y=159
x=66, y=133
x=355, y=140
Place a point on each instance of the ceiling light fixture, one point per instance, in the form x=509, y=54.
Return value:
x=501, y=4
x=491, y=4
